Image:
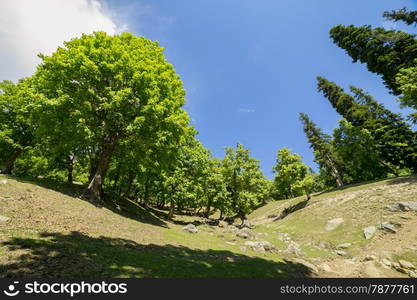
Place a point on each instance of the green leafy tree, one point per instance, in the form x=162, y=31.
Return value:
x=216, y=194
x=357, y=149
x=292, y=176
x=185, y=183
x=119, y=86
x=396, y=142
x=16, y=126
x=323, y=152
x=244, y=180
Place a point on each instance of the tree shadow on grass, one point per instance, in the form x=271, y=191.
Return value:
x=76, y=255
x=399, y=180
x=121, y=206
x=291, y=209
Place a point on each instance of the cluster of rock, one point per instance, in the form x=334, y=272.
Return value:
x=261, y=246
x=190, y=228
x=401, y=265
x=402, y=206
x=391, y=226
x=405, y=267
x=340, y=249
x=294, y=249
x=245, y=233
x=253, y=243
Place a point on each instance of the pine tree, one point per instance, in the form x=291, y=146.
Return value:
x=385, y=52
x=320, y=142
x=396, y=140
x=408, y=17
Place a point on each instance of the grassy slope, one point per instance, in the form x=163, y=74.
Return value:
x=53, y=232
x=360, y=206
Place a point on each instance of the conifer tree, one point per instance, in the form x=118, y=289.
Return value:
x=320, y=142
x=408, y=17
x=395, y=139
x=385, y=52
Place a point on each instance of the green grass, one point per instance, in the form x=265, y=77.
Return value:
x=78, y=255
x=55, y=232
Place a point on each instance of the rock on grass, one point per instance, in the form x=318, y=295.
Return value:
x=333, y=224
x=190, y=228
x=369, y=231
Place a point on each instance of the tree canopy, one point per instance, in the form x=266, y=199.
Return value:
x=114, y=87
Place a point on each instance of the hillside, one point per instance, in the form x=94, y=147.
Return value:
x=49, y=230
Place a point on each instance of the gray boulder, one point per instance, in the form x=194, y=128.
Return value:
x=294, y=248
x=386, y=262
x=245, y=233
x=343, y=246
x=267, y=246
x=393, y=207
x=333, y=224
x=341, y=253
x=4, y=219
x=388, y=227
x=370, y=257
x=369, y=231
x=232, y=228
x=190, y=228
x=260, y=246
x=222, y=224
x=406, y=264
x=408, y=205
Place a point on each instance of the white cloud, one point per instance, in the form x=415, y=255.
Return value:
x=30, y=27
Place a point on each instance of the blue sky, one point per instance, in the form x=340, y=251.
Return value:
x=249, y=67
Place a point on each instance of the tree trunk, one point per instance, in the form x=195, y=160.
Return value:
x=242, y=216
x=8, y=166
x=70, y=168
x=160, y=204
x=116, y=178
x=108, y=146
x=171, y=210
x=334, y=171
x=208, y=208
x=130, y=178
x=93, y=168
x=145, y=194
x=290, y=191
x=307, y=191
